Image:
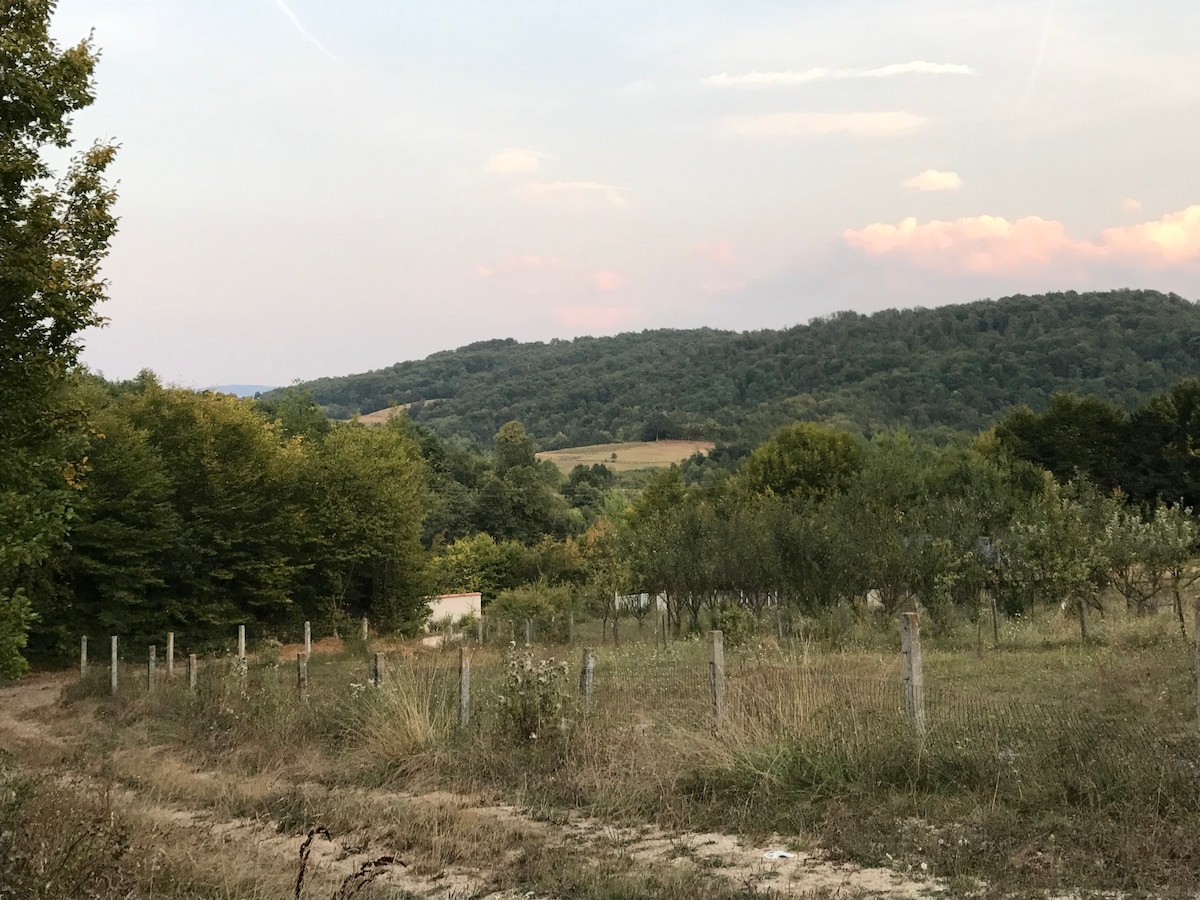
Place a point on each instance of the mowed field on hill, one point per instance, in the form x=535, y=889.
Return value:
x=627, y=456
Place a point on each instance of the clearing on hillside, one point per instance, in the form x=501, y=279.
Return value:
x=381, y=416
x=624, y=457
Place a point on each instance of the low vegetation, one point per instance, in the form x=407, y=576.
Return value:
x=1045, y=765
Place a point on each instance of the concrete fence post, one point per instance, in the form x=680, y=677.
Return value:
x=1197, y=633
x=365, y=630
x=377, y=669
x=113, y=665
x=914, y=679
x=151, y=664
x=191, y=671
x=464, y=687
x=241, y=650
x=587, y=680
x=528, y=633
x=170, y=655
x=302, y=675
x=83, y=656
x=308, y=638
x=716, y=675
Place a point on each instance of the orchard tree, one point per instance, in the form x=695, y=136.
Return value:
x=53, y=237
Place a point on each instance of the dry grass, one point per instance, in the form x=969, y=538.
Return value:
x=1047, y=764
x=626, y=457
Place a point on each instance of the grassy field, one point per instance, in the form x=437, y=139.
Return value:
x=1046, y=765
x=626, y=457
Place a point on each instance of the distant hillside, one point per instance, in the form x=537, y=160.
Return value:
x=956, y=366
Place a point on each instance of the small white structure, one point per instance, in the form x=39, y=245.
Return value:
x=632, y=602
x=455, y=607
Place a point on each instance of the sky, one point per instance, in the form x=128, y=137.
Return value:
x=313, y=188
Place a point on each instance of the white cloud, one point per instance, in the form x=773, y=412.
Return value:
x=1129, y=204
x=611, y=193
x=522, y=263
x=514, y=161
x=933, y=180
x=786, y=78
x=784, y=125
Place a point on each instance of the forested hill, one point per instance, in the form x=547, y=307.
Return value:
x=958, y=366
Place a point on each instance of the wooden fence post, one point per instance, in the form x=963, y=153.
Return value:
x=170, y=655
x=113, y=667
x=587, y=680
x=716, y=675
x=377, y=669
x=308, y=638
x=191, y=671
x=464, y=687
x=302, y=675
x=83, y=656
x=150, y=666
x=914, y=680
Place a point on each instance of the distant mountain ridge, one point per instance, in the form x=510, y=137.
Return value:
x=957, y=366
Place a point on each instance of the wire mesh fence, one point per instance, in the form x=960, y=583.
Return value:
x=849, y=704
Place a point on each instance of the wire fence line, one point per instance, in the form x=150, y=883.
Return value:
x=853, y=706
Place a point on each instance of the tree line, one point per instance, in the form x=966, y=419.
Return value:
x=138, y=508
x=955, y=367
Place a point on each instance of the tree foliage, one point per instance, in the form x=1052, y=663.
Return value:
x=957, y=366
x=53, y=237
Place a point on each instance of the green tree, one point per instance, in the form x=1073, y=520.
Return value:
x=53, y=237
x=367, y=488
x=803, y=460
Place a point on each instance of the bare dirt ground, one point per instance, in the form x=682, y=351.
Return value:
x=34, y=725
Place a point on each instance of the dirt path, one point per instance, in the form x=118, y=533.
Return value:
x=23, y=706
x=28, y=721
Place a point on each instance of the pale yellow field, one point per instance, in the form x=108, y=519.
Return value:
x=624, y=457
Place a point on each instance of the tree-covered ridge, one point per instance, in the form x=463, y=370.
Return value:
x=957, y=366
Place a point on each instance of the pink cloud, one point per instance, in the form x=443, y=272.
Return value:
x=595, y=318
x=1131, y=204
x=1174, y=238
x=608, y=281
x=720, y=252
x=994, y=245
